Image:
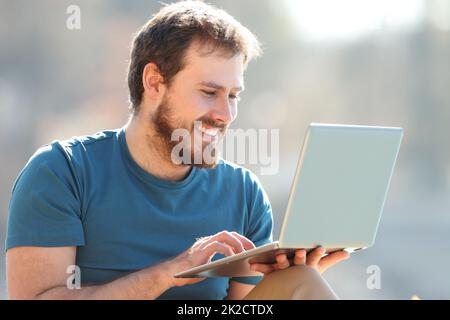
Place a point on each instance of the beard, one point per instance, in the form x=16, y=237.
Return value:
x=165, y=124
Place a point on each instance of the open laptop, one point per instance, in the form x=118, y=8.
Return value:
x=336, y=198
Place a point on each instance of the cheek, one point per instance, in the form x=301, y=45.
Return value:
x=200, y=105
x=189, y=106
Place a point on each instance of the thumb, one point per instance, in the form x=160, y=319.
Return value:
x=263, y=268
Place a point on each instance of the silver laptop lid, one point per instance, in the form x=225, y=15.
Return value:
x=340, y=186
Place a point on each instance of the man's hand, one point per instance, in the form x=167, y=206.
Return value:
x=313, y=259
x=224, y=242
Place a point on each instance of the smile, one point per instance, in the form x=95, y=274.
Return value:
x=213, y=132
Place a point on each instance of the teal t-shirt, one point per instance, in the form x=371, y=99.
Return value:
x=89, y=192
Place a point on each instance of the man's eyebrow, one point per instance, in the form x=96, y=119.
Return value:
x=218, y=86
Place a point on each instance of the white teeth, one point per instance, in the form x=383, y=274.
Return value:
x=210, y=132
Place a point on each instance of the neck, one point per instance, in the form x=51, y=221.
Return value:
x=146, y=150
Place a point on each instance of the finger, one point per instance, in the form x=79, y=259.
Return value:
x=247, y=243
x=200, y=241
x=282, y=261
x=231, y=240
x=332, y=259
x=217, y=247
x=313, y=258
x=263, y=268
x=300, y=257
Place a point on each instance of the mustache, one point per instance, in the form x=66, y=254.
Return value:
x=212, y=123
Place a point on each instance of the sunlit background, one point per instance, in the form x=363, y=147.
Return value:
x=376, y=62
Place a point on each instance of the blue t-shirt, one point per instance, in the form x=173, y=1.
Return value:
x=89, y=192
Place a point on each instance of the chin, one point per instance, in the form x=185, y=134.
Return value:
x=207, y=165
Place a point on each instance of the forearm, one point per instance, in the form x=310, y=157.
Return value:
x=148, y=283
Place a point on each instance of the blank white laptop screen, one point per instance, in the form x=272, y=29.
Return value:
x=336, y=198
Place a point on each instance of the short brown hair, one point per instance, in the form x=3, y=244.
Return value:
x=165, y=38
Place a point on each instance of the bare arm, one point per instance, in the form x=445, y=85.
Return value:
x=40, y=273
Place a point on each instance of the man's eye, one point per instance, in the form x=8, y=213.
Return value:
x=209, y=93
x=234, y=97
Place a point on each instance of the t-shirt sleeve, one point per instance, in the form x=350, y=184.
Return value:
x=45, y=210
x=260, y=221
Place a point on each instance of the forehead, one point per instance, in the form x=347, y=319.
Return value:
x=203, y=63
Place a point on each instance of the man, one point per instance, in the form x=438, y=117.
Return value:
x=120, y=206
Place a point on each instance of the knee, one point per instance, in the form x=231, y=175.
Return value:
x=303, y=283
x=295, y=274
x=296, y=282
x=311, y=285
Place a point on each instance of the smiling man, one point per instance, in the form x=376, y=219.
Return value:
x=119, y=207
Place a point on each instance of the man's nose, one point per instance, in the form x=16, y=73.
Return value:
x=225, y=112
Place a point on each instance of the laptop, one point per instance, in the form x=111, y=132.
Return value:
x=336, y=198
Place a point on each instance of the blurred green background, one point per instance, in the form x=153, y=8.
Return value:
x=373, y=62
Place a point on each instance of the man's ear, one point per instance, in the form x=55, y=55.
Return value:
x=152, y=81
